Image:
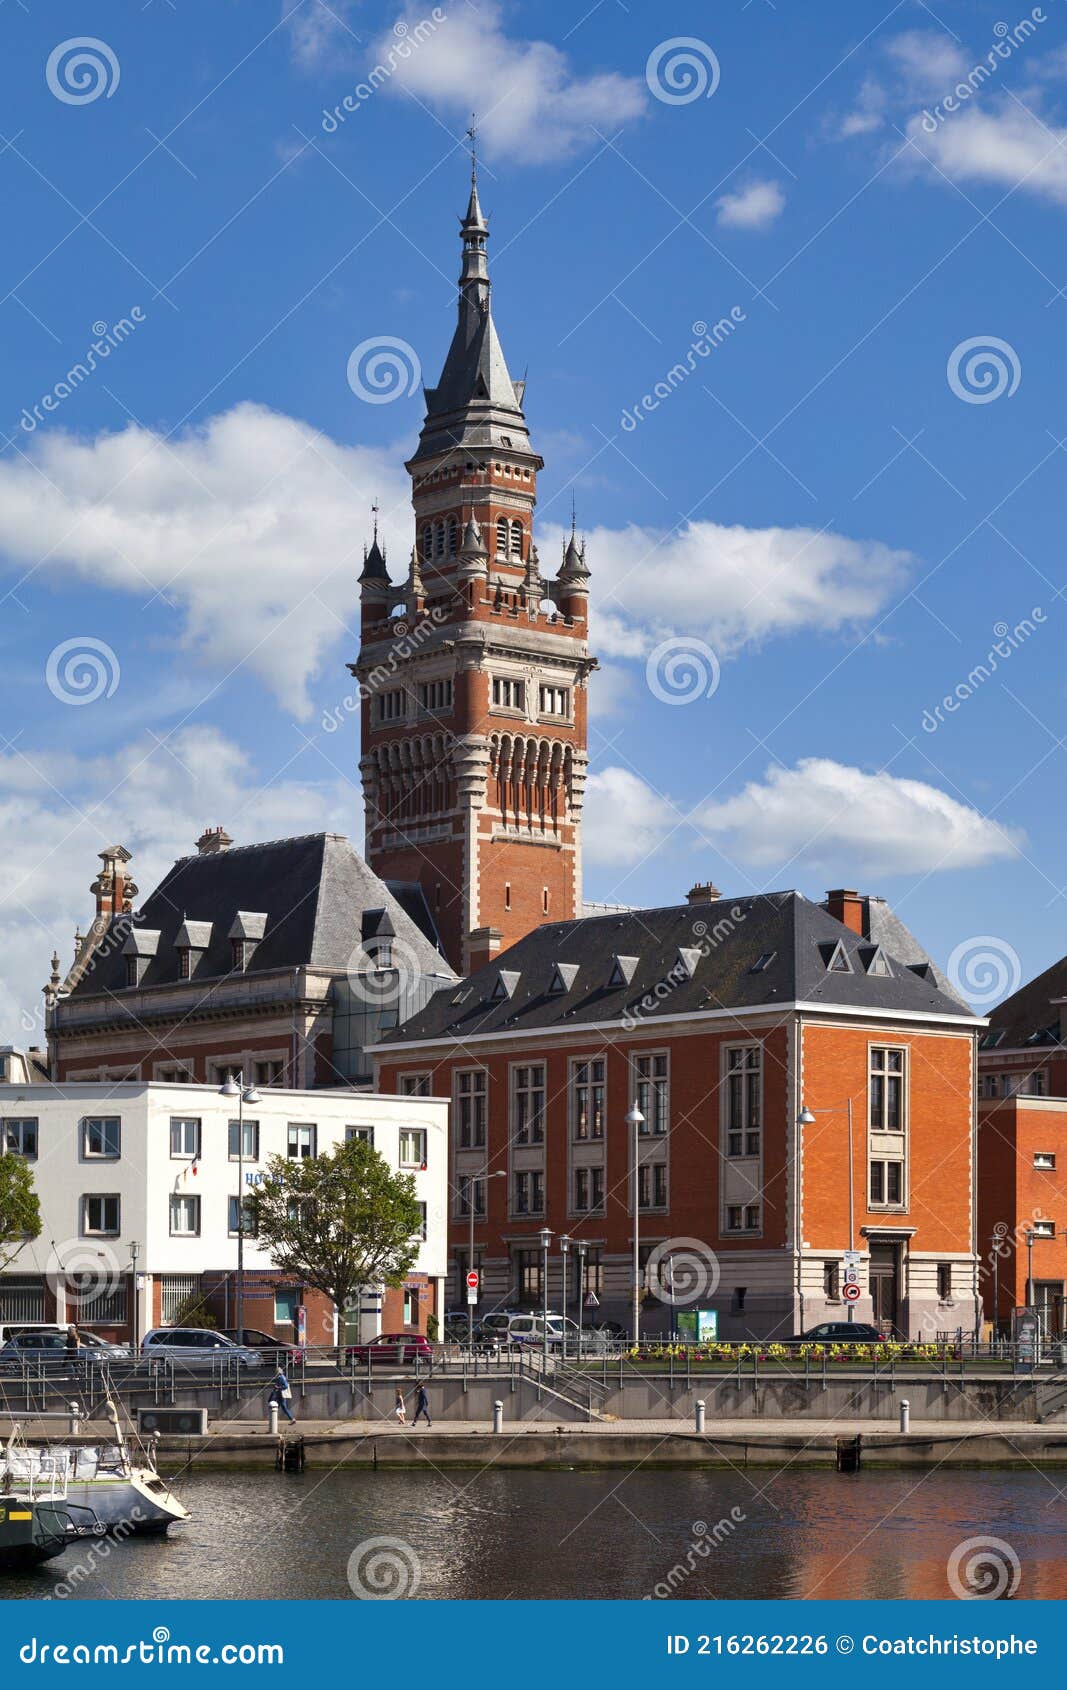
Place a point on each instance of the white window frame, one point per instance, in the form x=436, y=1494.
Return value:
x=101, y=1197
x=178, y=1200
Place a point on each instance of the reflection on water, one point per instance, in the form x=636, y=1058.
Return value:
x=527, y=1534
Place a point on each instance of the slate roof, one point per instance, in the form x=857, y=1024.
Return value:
x=789, y=938
x=1029, y=1018
x=320, y=899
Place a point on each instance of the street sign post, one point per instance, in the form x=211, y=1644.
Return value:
x=852, y=1292
x=472, y=1285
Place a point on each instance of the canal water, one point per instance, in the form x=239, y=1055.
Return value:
x=679, y=1535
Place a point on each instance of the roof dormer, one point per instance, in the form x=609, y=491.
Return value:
x=504, y=985
x=875, y=962
x=835, y=957
x=564, y=975
x=140, y=946
x=248, y=929
x=687, y=960
x=191, y=941
x=623, y=969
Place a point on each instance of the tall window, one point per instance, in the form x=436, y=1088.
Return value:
x=435, y=695
x=650, y=1092
x=414, y=1085
x=527, y=1265
x=270, y=1073
x=184, y=1138
x=250, y=1150
x=472, y=1087
x=529, y=1192
x=508, y=694
x=389, y=706
x=652, y=1186
x=743, y=1217
x=587, y=1089
x=237, y=1206
x=555, y=701
x=412, y=1147
x=516, y=538
x=528, y=1104
x=744, y=1101
x=101, y=1137
x=184, y=1216
x=19, y=1136
x=100, y=1216
x=592, y=1276
x=468, y=1189
x=588, y=1190
x=502, y=535
x=301, y=1141
x=887, y=1184
x=887, y=1090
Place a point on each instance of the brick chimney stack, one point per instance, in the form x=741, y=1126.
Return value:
x=113, y=889
x=704, y=892
x=848, y=907
x=212, y=841
x=483, y=944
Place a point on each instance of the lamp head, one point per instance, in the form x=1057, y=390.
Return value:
x=805, y=1118
x=229, y=1087
x=635, y=1117
x=250, y=1095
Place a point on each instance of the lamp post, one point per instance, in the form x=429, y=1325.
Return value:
x=565, y=1243
x=472, y=1180
x=806, y=1118
x=635, y=1121
x=994, y=1241
x=234, y=1086
x=1029, y=1267
x=135, y=1251
x=546, y=1239
x=582, y=1247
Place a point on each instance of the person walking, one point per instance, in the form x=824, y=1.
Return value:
x=73, y=1343
x=399, y=1409
x=281, y=1393
x=422, y=1406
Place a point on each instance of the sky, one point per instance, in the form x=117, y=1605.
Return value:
x=789, y=285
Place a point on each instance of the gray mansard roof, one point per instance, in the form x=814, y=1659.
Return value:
x=312, y=899
x=734, y=953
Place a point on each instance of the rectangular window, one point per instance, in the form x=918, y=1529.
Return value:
x=435, y=695
x=1045, y=1159
x=555, y=701
x=251, y=1141
x=529, y=1192
x=414, y=1085
x=234, y=1206
x=100, y=1216
x=412, y=1147
x=184, y=1138
x=286, y=1303
x=744, y=1100
x=528, y=1104
x=472, y=1089
x=390, y=706
x=743, y=1217
x=19, y=1136
x=301, y=1141
x=421, y=1234
x=652, y=1186
x=588, y=1191
x=184, y=1217
x=527, y=1265
x=944, y=1280
x=587, y=1093
x=1034, y=1084
x=887, y=1090
x=650, y=1092
x=508, y=694
x=364, y=1134
x=887, y=1183
x=831, y=1281
x=270, y=1073
x=175, y=1076
x=467, y=1189
x=1044, y=1229
x=591, y=1275
x=102, y=1137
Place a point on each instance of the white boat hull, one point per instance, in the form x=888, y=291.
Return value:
x=139, y=1503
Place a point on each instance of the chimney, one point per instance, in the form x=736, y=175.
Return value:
x=849, y=908
x=212, y=841
x=483, y=944
x=113, y=889
x=704, y=892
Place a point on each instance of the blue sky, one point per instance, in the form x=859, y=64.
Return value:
x=837, y=505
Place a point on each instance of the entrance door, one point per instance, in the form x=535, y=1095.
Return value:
x=885, y=1284
x=1048, y=1300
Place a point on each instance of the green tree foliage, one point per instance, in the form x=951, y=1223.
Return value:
x=20, y=1211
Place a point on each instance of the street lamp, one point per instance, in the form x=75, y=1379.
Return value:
x=234, y=1086
x=472, y=1180
x=565, y=1243
x=806, y=1118
x=135, y=1251
x=635, y=1120
x=546, y=1239
x=582, y=1248
x=1030, y=1267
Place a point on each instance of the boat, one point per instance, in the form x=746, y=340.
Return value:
x=37, y=1518
x=126, y=1495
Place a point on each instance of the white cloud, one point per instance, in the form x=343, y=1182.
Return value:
x=252, y=510
x=732, y=586
x=868, y=113
x=753, y=207
x=824, y=814
x=624, y=821
x=57, y=811
x=1005, y=145
x=530, y=104
x=320, y=34
x=926, y=62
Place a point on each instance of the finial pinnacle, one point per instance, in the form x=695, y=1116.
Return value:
x=472, y=136
x=375, y=508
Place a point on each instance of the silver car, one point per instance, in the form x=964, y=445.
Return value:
x=196, y=1347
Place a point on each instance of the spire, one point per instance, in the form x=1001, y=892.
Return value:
x=573, y=573
x=374, y=560
x=473, y=556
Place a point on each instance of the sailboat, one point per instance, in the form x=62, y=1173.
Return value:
x=122, y=1493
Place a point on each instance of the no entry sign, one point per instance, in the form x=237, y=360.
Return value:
x=852, y=1293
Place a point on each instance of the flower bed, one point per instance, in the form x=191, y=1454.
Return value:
x=729, y=1355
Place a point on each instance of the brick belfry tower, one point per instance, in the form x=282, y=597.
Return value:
x=474, y=671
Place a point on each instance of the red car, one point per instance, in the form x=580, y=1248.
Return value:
x=392, y=1347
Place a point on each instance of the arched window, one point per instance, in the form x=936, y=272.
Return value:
x=516, y=538
x=502, y=536
x=452, y=536
x=439, y=539
x=427, y=542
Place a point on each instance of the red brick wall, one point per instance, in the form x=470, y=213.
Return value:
x=1012, y=1193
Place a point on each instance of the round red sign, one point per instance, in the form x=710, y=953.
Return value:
x=472, y=1279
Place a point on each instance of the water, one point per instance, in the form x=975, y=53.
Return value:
x=607, y=1534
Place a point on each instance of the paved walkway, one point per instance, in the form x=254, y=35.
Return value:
x=766, y=1430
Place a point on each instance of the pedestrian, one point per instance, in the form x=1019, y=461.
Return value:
x=281, y=1393
x=73, y=1343
x=399, y=1410
x=422, y=1406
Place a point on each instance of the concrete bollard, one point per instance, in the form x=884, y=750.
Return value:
x=905, y=1415
x=74, y=1423
x=498, y=1417
x=700, y=1412
x=273, y=1422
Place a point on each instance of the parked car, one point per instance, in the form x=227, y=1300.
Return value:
x=392, y=1347
x=40, y=1346
x=841, y=1332
x=194, y=1346
x=276, y=1352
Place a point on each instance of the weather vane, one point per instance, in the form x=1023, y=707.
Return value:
x=472, y=136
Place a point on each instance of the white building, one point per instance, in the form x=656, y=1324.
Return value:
x=139, y=1185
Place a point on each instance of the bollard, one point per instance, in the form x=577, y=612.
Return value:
x=498, y=1417
x=905, y=1415
x=274, y=1419
x=74, y=1422
x=700, y=1415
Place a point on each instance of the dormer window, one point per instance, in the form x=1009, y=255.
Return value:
x=139, y=949
x=248, y=929
x=504, y=986
x=191, y=941
x=836, y=958
x=687, y=961
x=563, y=977
x=623, y=969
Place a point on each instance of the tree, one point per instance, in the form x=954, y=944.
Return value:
x=339, y=1221
x=20, y=1211
x=193, y=1311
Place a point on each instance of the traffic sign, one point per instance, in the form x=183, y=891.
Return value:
x=472, y=1293
x=472, y=1280
x=852, y=1292
x=851, y=1256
